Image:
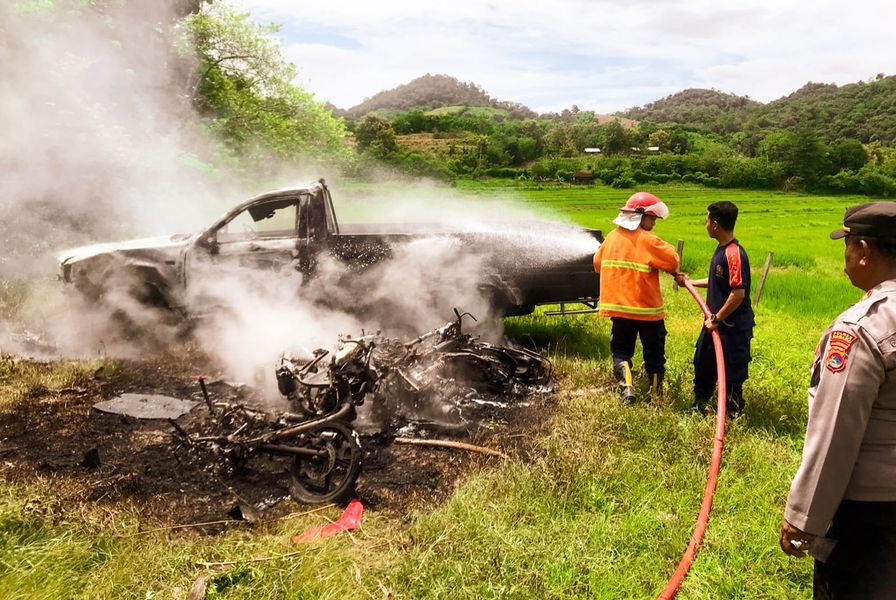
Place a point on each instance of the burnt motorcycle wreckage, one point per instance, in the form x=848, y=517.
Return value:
x=324, y=453
x=443, y=372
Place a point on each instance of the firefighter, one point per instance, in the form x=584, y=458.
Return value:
x=629, y=262
x=728, y=297
x=845, y=488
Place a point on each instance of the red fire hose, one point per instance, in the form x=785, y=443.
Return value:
x=715, y=464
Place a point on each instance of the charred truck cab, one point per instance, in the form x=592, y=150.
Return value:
x=292, y=229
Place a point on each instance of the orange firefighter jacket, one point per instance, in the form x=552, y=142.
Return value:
x=629, y=263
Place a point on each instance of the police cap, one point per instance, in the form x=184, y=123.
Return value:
x=872, y=219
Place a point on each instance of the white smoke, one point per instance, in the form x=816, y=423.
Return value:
x=96, y=131
x=252, y=317
x=100, y=143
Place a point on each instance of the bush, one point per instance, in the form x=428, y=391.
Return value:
x=845, y=181
x=664, y=163
x=640, y=176
x=749, y=173
x=420, y=163
x=624, y=181
x=708, y=180
x=607, y=176
x=548, y=168
x=873, y=182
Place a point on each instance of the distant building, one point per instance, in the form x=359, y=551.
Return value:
x=582, y=177
x=592, y=150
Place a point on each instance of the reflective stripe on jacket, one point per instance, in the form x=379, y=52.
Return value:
x=629, y=263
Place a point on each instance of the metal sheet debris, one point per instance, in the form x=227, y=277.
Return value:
x=146, y=406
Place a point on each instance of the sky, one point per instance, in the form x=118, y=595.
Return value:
x=603, y=55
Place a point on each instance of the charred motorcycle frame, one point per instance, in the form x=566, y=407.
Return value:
x=319, y=439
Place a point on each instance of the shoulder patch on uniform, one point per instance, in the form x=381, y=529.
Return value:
x=838, y=350
x=732, y=253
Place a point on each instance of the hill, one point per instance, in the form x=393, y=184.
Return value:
x=430, y=92
x=698, y=109
x=865, y=110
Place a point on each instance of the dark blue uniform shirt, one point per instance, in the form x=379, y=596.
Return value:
x=729, y=270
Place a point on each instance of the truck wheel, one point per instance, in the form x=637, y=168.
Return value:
x=142, y=315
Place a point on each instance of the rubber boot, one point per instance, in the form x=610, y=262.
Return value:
x=623, y=373
x=655, y=392
x=735, y=404
x=701, y=404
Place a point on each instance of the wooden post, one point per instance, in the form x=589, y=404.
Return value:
x=765, y=269
x=680, y=256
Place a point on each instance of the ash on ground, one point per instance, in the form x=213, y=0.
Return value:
x=55, y=438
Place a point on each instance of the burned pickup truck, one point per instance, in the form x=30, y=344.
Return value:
x=296, y=232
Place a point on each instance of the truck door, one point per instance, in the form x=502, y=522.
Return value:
x=261, y=238
x=305, y=246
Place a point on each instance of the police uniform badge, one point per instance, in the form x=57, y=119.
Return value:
x=838, y=350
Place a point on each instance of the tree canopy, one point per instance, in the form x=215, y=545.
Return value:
x=244, y=88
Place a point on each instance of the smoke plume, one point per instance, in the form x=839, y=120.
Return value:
x=101, y=143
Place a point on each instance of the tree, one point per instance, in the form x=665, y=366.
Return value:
x=660, y=139
x=810, y=155
x=679, y=142
x=375, y=133
x=616, y=139
x=848, y=155
x=778, y=146
x=244, y=88
x=559, y=140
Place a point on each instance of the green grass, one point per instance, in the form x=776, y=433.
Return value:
x=600, y=506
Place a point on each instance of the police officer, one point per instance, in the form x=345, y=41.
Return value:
x=842, y=502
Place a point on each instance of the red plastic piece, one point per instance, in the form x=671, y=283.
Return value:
x=350, y=519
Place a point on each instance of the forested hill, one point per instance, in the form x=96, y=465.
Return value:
x=428, y=92
x=863, y=110
x=697, y=109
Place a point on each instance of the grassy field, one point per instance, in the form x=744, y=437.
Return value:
x=602, y=506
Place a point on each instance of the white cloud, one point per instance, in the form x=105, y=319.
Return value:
x=604, y=55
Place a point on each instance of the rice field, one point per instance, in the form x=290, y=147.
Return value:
x=806, y=275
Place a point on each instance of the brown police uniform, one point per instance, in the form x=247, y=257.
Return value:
x=845, y=489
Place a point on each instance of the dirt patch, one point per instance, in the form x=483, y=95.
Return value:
x=107, y=459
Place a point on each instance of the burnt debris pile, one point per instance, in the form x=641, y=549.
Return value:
x=442, y=380
x=323, y=454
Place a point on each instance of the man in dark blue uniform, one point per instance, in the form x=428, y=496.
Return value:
x=728, y=299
